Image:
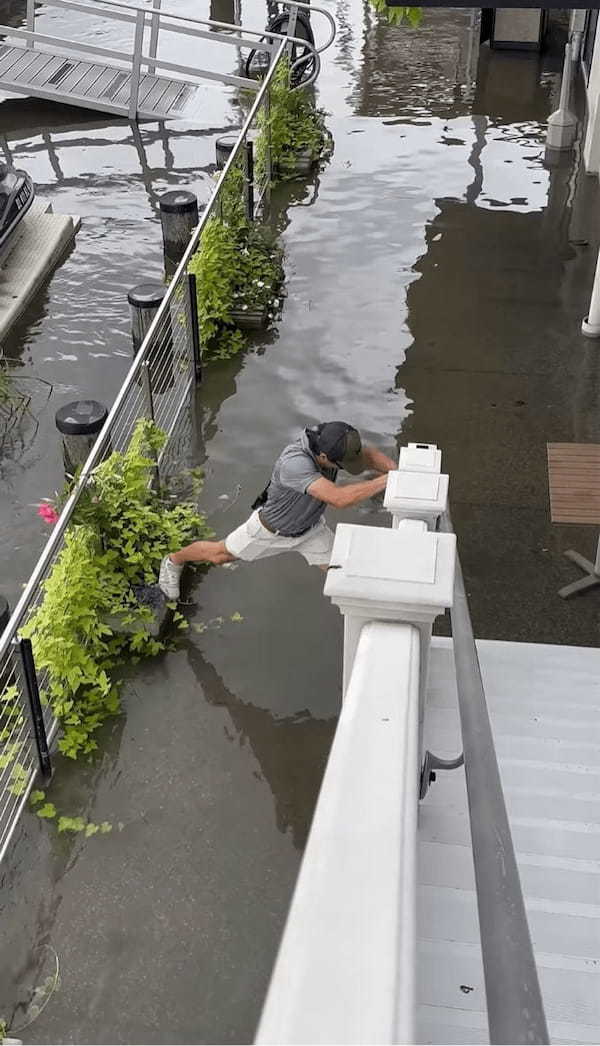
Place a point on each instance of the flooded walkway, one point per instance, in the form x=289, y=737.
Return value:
x=435, y=287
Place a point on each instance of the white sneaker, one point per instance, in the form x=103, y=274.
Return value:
x=169, y=577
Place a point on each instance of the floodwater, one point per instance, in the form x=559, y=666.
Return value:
x=437, y=272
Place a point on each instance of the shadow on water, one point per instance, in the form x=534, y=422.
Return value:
x=291, y=751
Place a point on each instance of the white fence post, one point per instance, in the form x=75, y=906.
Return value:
x=417, y=489
x=404, y=574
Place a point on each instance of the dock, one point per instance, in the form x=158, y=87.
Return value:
x=38, y=243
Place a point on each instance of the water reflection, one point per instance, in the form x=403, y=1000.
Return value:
x=423, y=72
x=291, y=751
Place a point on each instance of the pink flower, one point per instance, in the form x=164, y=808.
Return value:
x=48, y=513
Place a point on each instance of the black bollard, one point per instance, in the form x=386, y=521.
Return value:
x=178, y=218
x=224, y=147
x=79, y=424
x=144, y=302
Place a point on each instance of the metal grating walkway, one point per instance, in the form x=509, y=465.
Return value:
x=107, y=88
x=544, y=704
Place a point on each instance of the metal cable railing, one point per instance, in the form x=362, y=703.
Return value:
x=514, y=1001
x=157, y=387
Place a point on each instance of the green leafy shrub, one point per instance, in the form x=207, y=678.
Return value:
x=120, y=531
x=292, y=125
x=398, y=15
x=236, y=269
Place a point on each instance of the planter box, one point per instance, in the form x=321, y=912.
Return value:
x=148, y=596
x=305, y=161
x=249, y=319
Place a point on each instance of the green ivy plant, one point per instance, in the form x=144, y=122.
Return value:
x=237, y=270
x=13, y=403
x=398, y=15
x=292, y=125
x=121, y=529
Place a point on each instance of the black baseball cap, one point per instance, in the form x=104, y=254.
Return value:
x=341, y=443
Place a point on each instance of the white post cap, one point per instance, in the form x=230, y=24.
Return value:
x=416, y=495
x=420, y=457
x=392, y=575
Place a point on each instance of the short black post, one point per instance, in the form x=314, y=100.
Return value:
x=35, y=707
x=224, y=147
x=226, y=143
x=194, y=327
x=178, y=218
x=248, y=163
x=79, y=424
x=145, y=300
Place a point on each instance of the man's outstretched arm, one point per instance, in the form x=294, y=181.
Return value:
x=377, y=460
x=349, y=494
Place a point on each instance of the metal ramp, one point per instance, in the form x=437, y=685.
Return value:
x=136, y=83
x=102, y=87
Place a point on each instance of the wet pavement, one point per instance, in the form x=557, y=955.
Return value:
x=436, y=281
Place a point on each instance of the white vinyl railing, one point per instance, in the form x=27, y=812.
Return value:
x=346, y=968
x=345, y=972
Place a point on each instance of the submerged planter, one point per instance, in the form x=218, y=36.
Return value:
x=147, y=596
x=249, y=319
x=297, y=163
x=305, y=161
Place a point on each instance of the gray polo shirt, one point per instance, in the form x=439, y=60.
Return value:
x=288, y=508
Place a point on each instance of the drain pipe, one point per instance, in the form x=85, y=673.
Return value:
x=562, y=125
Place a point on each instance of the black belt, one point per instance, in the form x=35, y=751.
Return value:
x=273, y=531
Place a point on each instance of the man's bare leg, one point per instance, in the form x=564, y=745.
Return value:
x=202, y=552
x=213, y=552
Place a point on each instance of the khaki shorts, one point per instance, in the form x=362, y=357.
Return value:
x=253, y=541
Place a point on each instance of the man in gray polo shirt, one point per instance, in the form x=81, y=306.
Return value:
x=288, y=515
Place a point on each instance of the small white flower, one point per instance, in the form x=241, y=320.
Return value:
x=244, y=306
x=260, y=283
